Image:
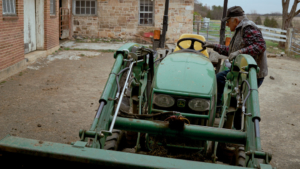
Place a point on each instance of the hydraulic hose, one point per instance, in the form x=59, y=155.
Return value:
x=118, y=84
x=245, y=100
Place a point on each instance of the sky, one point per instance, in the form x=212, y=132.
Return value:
x=261, y=6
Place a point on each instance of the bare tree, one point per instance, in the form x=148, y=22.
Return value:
x=287, y=16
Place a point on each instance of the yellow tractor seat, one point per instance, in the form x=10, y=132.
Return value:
x=197, y=46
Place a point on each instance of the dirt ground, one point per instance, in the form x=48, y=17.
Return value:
x=57, y=96
x=61, y=96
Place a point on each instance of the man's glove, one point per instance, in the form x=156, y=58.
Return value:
x=234, y=54
x=208, y=45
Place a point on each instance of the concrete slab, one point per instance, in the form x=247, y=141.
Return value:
x=92, y=46
x=69, y=55
x=33, y=56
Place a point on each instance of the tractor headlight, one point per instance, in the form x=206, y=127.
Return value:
x=162, y=100
x=199, y=104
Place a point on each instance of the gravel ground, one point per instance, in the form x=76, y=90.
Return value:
x=58, y=95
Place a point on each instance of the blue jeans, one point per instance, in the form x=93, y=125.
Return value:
x=221, y=84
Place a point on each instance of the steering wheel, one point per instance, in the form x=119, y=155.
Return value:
x=192, y=44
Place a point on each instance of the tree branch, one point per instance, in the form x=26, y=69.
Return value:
x=298, y=12
x=294, y=8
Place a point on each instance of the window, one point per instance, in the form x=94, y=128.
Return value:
x=84, y=7
x=9, y=7
x=146, y=12
x=52, y=7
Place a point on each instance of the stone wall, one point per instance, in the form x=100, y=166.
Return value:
x=119, y=19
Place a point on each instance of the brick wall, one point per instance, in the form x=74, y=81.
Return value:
x=51, y=26
x=11, y=37
x=119, y=19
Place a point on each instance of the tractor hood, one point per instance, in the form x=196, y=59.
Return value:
x=185, y=72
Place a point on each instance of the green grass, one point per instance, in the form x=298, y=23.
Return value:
x=297, y=56
x=82, y=54
x=2, y=82
x=214, y=29
x=66, y=48
x=21, y=73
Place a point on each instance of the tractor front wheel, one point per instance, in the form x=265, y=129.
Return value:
x=240, y=156
x=115, y=141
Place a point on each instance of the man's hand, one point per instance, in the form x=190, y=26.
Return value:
x=234, y=54
x=208, y=45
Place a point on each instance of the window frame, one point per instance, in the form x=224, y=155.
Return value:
x=153, y=13
x=15, y=8
x=74, y=8
x=53, y=8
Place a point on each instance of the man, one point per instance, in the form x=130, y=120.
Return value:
x=247, y=39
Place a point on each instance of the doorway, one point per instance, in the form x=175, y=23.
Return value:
x=64, y=19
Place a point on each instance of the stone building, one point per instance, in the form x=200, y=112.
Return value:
x=126, y=18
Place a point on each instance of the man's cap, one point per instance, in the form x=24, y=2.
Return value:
x=233, y=12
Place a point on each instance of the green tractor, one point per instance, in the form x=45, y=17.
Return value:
x=158, y=110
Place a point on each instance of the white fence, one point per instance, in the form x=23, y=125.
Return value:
x=273, y=34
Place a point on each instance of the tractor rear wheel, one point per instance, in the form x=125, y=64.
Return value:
x=114, y=142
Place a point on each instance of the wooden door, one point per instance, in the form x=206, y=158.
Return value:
x=29, y=26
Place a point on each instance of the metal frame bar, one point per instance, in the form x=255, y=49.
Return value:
x=120, y=100
x=195, y=132
x=191, y=115
x=102, y=158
